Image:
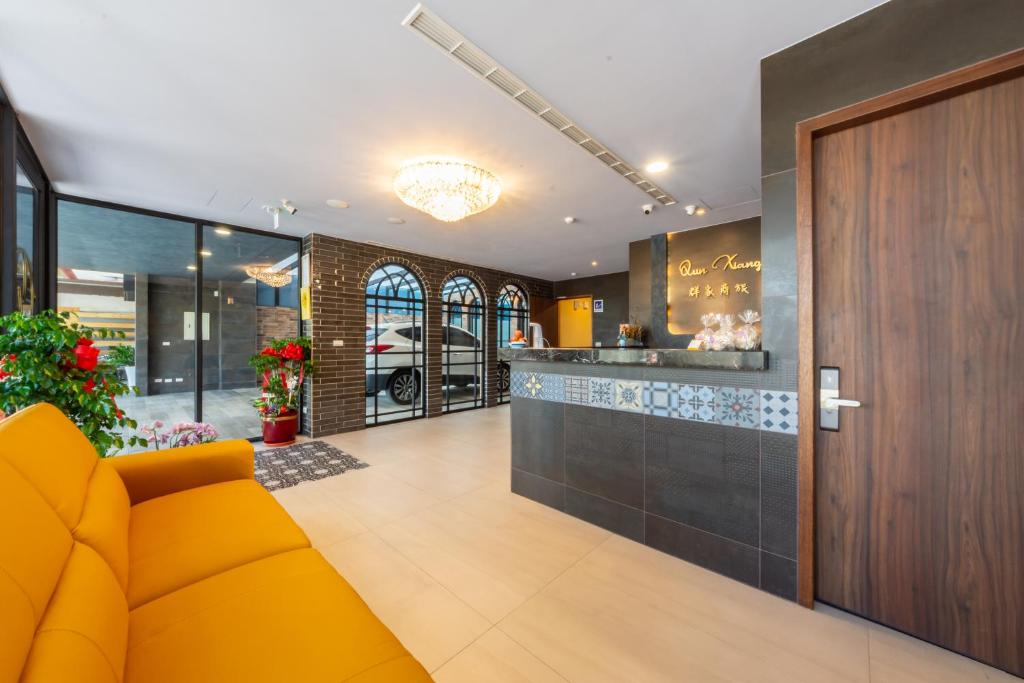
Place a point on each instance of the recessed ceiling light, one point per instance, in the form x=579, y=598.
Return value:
x=569, y=220
x=701, y=211
x=396, y=221
x=206, y=252
x=191, y=267
x=337, y=203
x=572, y=274
x=656, y=166
x=222, y=231
x=594, y=263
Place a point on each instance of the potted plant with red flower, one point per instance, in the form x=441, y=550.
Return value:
x=47, y=358
x=282, y=367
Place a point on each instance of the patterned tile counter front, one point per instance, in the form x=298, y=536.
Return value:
x=769, y=409
x=700, y=464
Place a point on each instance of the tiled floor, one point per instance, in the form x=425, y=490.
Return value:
x=229, y=410
x=485, y=586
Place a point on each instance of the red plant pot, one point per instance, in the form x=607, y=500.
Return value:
x=280, y=430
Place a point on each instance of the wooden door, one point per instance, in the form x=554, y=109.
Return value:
x=919, y=300
x=544, y=311
x=575, y=322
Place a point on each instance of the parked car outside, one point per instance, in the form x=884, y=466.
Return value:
x=394, y=366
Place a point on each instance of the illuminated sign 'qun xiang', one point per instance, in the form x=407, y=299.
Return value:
x=713, y=270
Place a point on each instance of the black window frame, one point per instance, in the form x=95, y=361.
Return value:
x=416, y=306
x=512, y=303
x=463, y=295
x=16, y=151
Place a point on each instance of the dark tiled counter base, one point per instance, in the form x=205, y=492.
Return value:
x=720, y=496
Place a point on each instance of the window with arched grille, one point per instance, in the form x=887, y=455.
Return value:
x=395, y=358
x=462, y=338
x=513, y=315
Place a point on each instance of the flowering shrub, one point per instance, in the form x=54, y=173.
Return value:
x=283, y=366
x=47, y=358
x=180, y=434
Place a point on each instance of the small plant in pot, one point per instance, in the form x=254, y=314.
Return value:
x=282, y=368
x=123, y=356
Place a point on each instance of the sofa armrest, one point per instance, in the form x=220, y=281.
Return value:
x=157, y=473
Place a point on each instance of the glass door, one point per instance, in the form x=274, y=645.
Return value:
x=250, y=292
x=462, y=344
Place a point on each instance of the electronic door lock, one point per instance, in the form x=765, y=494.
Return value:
x=829, y=401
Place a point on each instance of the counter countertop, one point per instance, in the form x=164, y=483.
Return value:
x=667, y=358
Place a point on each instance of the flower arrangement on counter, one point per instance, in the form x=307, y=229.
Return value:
x=726, y=338
x=180, y=434
x=48, y=358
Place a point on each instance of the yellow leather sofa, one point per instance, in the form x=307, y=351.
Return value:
x=166, y=566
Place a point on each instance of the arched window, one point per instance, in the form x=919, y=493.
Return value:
x=513, y=315
x=395, y=359
x=462, y=339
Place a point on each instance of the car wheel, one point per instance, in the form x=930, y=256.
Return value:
x=504, y=378
x=403, y=387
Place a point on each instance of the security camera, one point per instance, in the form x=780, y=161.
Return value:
x=287, y=206
x=648, y=209
x=690, y=209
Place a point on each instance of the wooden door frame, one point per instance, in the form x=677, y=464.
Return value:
x=988, y=72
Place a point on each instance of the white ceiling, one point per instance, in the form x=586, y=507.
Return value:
x=212, y=108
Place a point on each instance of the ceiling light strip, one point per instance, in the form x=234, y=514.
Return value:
x=440, y=34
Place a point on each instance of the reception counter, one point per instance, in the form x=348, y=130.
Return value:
x=687, y=452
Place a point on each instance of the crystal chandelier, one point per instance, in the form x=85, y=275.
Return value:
x=265, y=273
x=447, y=189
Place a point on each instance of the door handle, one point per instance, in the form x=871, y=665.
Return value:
x=832, y=403
x=829, y=402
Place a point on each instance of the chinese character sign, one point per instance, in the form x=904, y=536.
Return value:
x=713, y=270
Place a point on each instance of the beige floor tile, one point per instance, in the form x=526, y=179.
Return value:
x=432, y=623
x=496, y=658
x=628, y=613
x=372, y=496
x=324, y=522
x=898, y=658
x=492, y=561
x=441, y=479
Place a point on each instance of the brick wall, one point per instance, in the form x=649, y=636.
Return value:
x=335, y=397
x=275, y=322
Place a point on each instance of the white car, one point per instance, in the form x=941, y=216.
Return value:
x=393, y=365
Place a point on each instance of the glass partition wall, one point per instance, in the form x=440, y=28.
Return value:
x=395, y=367
x=513, y=315
x=462, y=344
x=26, y=254
x=183, y=294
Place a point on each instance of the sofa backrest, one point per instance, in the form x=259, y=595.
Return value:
x=63, y=553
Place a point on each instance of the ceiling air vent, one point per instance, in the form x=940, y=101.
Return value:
x=457, y=46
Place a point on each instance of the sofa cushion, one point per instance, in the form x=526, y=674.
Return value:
x=84, y=632
x=51, y=454
x=103, y=525
x=181, y=538
x=289, y=617
x=34, y=546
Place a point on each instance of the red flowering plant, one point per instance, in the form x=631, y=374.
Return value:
x=282, y=368
x=47, y=358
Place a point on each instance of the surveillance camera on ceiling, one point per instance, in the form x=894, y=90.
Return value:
x=289, y=207
x=648, y=209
